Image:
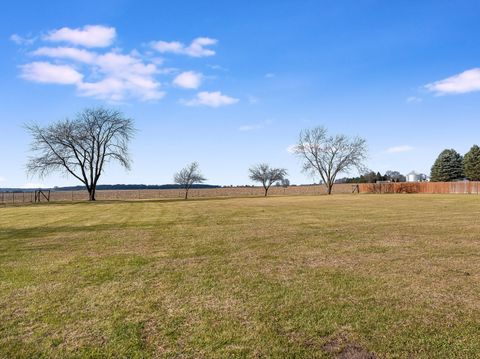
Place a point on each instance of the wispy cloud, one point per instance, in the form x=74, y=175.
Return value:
x=20, y=40
x=467, y=81
x=413, y=99
x=292, y=149
x=399, y=149
x=269, y=75
x=88, y=36
x=255, y=126
x=217, y=67
x=197, y=47
x=211, y=99
x=188, y=80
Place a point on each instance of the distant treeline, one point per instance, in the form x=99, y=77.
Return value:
x=372, y=177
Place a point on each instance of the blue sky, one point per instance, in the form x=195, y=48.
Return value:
x=231, y=83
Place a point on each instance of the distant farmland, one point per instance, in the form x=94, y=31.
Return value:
x=177, y=193
x=363, y=188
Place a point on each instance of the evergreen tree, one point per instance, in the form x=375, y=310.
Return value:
x=447, y=167
x=471, y=163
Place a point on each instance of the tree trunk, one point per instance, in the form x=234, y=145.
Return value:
x=329, y=188
x=186, y=193
x=91, y=194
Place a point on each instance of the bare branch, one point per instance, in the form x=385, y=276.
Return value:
x=266, y=176
x=327, y=156
x=81, y=147
x=189, y=176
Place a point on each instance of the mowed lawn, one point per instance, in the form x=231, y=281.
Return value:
x=395, y=276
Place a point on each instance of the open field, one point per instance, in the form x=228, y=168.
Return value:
x=304, y=276
x=461, y=187
x=127, y=195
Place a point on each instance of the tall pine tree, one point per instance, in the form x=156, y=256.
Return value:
x=447, y=167
x=471, y=163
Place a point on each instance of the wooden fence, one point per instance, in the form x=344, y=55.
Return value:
x=464, y=187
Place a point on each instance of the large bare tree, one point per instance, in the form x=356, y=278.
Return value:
x=81, y=147
x=327, y=156
x=188, y=176
x=266, y=175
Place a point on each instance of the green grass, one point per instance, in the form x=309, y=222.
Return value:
x=396, y=275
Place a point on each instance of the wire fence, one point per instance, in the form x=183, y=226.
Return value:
x=18, y=197
x=125, y=195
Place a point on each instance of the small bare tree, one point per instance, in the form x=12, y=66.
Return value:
x=189, y=176
x=266, y=176
x=327, y=156
x=81, y=147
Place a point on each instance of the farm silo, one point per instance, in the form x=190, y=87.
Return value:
x=413, y=177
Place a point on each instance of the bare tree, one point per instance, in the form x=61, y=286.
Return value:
x=189, y=176
x=264, y=174
x=395, y=176
x=327, y=156
x=81, y=147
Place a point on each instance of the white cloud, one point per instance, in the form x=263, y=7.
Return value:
x=414, y=99
x=211, y=99
x=124, y=75
x=71, y=53
x=399, y=149
x=2, y=179
x=46, y=72
x=117, y=89
x=88, y=36
x=164, y=46
x=20, y=40
x=269, y=75
x=110, y=74
x=467, y=81
x=188, y=80
x=195, y=49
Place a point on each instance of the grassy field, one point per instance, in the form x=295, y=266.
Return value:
x=342, y=276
